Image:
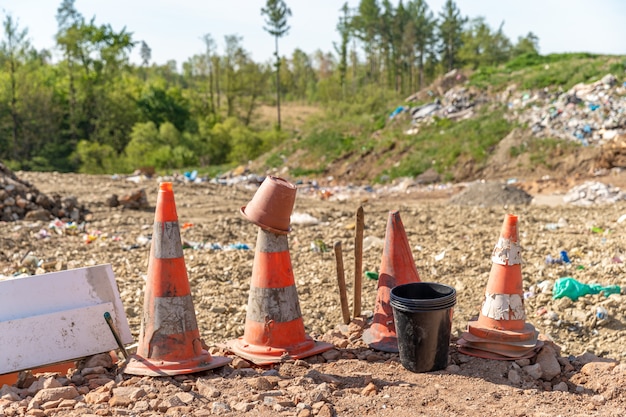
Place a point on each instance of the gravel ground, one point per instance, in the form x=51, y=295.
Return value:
x=451, y=244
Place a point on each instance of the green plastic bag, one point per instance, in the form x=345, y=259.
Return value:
x=569, y=287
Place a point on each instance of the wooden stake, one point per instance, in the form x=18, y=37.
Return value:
x=358, y=260
x=341, y=280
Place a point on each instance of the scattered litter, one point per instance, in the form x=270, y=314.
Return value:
x=304, y=219
x=588, y=113
x=440, y=256
x=239, y=246
x=371, y=275
x=372, y=242
x=590, y=193
x=573, y=289
x=554, y=226
x=318, y=246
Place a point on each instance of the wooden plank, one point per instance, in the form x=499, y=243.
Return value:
x=39, y=297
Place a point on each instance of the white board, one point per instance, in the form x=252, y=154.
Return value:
x=58, y=317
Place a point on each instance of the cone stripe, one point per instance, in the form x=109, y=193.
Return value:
x=272, y=243
x=276, y=304
x=174, y=315
x=507, y=252
x=166, y=240
x=288, y=336
x=503, y=307
x=174, y=282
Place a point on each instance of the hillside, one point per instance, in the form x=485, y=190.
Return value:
x=562, y=118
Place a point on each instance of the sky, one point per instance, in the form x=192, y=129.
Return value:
x=173, y=29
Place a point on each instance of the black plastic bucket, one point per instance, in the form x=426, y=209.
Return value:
x=422, y=313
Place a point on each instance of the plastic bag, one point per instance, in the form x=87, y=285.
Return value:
x=569, y=287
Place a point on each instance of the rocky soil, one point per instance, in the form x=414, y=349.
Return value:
x=578, y=372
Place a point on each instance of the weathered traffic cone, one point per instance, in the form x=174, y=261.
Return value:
x=501, y=331
x=169, y=340
x=397, y=268
x=274, y=329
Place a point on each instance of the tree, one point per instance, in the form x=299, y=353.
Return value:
x=421, y=26
x=366, y=26
x=276, y=12
x=15, y=48
x=146, y=54
x=450, y=34
x=528, y=44
x=343, y=27
x=482, y=46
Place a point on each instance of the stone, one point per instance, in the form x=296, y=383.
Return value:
x=514, y=377
x=561, y=386
x=534, y=371
x=549, y=365
x=595, y=368
x=53, y=394
x=370, y=389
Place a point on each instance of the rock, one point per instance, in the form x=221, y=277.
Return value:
x=207, y=390
x=597, y=368
x=370, y=389
x=598, y=400
x=260, y=384
x=53, y=394
x=331, y=355
x=244, y=407
x=561, y=386
x=104, y=360
x=239, y=363
x=185, y=397
x=549, y=365
x=534, y=371
x=514, y=377
x=134, y=393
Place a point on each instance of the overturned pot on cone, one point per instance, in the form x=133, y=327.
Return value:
x=271, y=205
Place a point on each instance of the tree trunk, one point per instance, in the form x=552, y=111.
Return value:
x=14, y=109
x=277, y=83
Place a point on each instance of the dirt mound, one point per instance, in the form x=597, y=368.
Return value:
x=491, y=193
x=21, y=200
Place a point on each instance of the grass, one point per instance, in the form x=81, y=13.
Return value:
x=554, y=70
x=441, y=144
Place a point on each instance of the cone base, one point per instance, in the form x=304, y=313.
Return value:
x=138, y=365
x=483, y=354
x=374, y=340
x=468, y=337
x=527, y=333
x=502, y=349
x=266, y=355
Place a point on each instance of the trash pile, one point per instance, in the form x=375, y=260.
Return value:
x=21, y=200
x=590, y=193
x=591, y=114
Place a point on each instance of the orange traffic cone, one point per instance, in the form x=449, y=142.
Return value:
x=501, y=331
x=274, y=329
x=397, y=268
x=169, y=340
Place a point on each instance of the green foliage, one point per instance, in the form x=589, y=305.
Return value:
x=543, y=151
x=441, y=144
x=532, y=71
x=158, y=148
x=94, y=158
x=159, y=106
